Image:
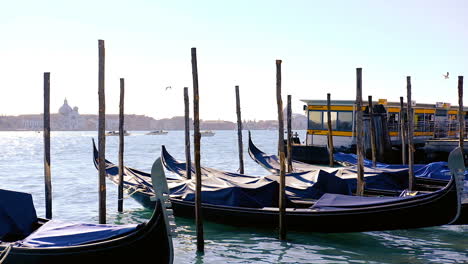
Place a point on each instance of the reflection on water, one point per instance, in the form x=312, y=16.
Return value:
x=75, y=182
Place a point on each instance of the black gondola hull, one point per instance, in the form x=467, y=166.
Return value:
x=437, y=209
x=432, y=211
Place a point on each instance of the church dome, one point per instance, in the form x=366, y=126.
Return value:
x=65, y=109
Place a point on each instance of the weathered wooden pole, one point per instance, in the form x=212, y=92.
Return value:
x=410, y=135
x=47, y=176
x=188, y=160
x=402, y=131
x=359, y=134
x=330, y=132
x=289, y=128
x=282, y=178
x=461, y=113
x=196, y=139
x=372, y=132
x=101, y=135
x=121, y=145
x=239, y=132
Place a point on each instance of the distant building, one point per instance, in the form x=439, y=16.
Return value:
x=69, y=118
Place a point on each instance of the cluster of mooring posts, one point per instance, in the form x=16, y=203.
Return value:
x=406, y=129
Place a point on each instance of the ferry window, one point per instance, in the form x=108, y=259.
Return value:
x=315, y=119
x=333, y=120
x=345, y=121
x=441, y=112
x=418, y=122
x=429, y=122
x=393, y=121
x=429, y=117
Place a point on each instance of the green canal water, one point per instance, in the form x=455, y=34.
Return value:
x=75, y=198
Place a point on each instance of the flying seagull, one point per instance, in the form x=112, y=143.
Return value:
x=168, y=87
x=446, y=76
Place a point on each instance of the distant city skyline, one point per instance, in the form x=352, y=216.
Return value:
x=69, y=119
x=148, y=43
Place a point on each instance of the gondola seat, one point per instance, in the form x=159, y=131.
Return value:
x=331, y=200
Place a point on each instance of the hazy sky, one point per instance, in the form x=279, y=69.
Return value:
x=148, y=43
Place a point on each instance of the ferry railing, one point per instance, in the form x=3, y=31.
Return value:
x=439, y=129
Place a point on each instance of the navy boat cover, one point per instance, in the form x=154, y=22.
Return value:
x=18, y=219
x=57, y=233
x=240, y=190
x=218, y=189
x=17, y=214
x=435, y=170
x=383, y=176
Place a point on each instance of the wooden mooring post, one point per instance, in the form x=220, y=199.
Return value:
x=101, y=135
x=282, y=178
x=47, y=174
x=239, y=132
x=359, y=134
x=410, y=135
x=289, y=129
x=461, y=116
x=121, y=145
x=402, y=131
x=372, y=133
x=188, y=160
x=196, y=139
x=330, y=132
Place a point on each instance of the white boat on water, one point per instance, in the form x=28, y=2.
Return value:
x=207, y=133
x=116, y=133
x=157, y=132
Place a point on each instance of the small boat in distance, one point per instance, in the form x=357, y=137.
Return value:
x=157, y=132
x=207, y=133
x=116, y=133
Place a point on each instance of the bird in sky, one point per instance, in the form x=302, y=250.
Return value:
x=168, y=87
x=446, y=76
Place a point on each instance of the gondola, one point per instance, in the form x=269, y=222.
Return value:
x=332, y=212
x=27, y=239
x=384, y=179
x=253, y=202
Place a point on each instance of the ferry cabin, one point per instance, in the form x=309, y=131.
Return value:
x=430, y=121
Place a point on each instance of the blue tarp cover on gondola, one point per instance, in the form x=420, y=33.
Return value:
x=17, y=214
x=233, y=189
x=57, y=233
x=383, y=176
x=434, y=170
x=261, y=192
